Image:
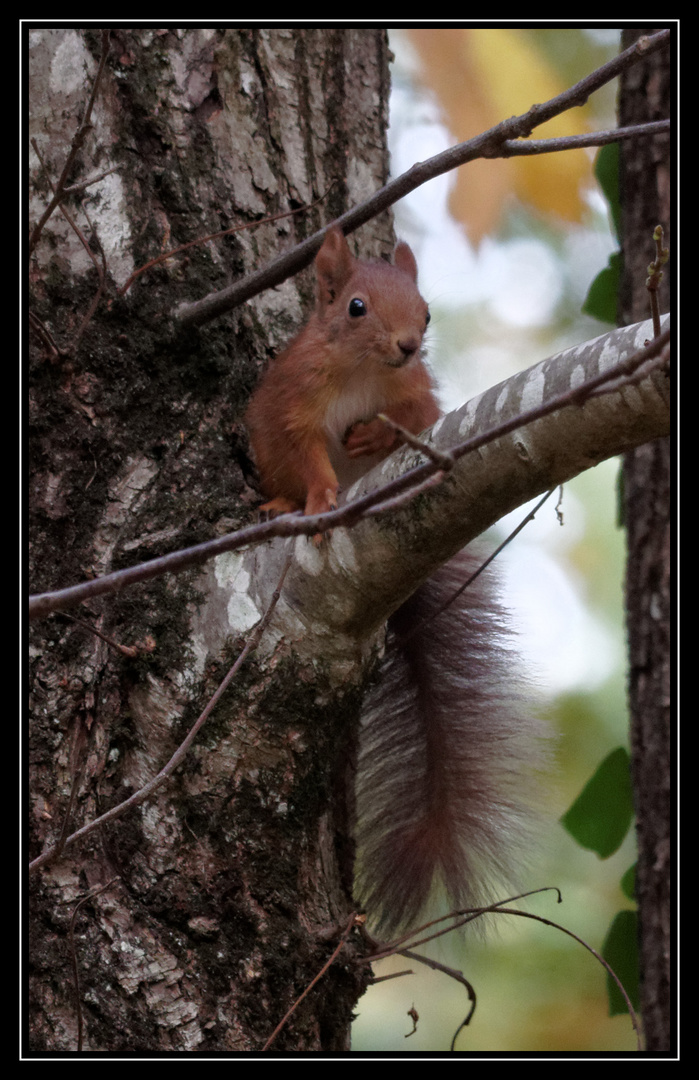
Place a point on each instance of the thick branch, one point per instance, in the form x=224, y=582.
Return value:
x=483, y=485
x=479, y=432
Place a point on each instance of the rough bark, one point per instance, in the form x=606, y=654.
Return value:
x=645, y=187
x=231, y=884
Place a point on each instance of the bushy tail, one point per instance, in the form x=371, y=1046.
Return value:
x=450, y=757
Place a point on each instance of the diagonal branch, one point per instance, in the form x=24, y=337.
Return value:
x=573, y=379
x=507, y=454
x=496, y=142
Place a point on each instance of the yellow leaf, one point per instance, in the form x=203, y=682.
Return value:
x=481, y=77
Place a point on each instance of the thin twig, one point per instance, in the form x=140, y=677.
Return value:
x=54, y=352
x=444, y=461
x=598, y=956
x=457, y=919
x=655, y=276
x=75, y=189
x=102, y=278
x=376, y=979
x=216, y=236
x=458, y=976
x=78, y=762
x=148, y=789
x=101, y=270
x=517, y=148
x=345, y=934
x=68, y=216
x=126, y=650
x=73, y=955
x=453, y=920
x=419, y=626
x=661, y=362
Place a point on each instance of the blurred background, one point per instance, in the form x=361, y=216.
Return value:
x=507, y=251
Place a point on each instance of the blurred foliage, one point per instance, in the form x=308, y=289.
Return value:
x=482, y=77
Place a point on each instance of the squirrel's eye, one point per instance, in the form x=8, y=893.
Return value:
x=356, y=307
x=427, y=319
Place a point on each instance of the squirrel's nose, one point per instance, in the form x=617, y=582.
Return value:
x=409, y=345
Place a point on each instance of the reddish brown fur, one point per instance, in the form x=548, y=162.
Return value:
x=329, y=383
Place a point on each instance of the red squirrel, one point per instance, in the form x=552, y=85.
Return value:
x=358, y=355
x=447, y=752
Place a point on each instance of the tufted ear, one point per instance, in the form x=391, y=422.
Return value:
x=334, y=266
x=404, y=259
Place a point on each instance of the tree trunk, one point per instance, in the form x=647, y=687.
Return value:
x=645, y=197
x=230, y=886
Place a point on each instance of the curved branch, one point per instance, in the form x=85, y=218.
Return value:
x=561, y=384
x=519, y=439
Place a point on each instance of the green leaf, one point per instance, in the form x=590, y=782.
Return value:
x=600, y=816
x=607, y=173
x=621, y=953
x=601, y=300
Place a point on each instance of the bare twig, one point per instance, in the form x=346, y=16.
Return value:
x=453, y=920
x=419, y=626
x=75, y=189
x=376, y=979
x=375, y=502
x=498, y=141
x=598, y=956
x=78, y=761
x=102, y=277
x=456, y=919
x=655, y=276
x=215, y=236
x=148, y=789
x=101, y=270
x=453, y=973
x=516, y=148
x=73, y=955
x=444, y=461
x=345, y=934
x=126, y=650
x=69, y=217
x=53, y=351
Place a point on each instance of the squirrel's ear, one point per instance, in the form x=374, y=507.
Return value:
x=334, y=266
x=404, y=259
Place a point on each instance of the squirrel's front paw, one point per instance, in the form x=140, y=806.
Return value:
x=320, y=501
x=372, y=438
x=277, y=506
